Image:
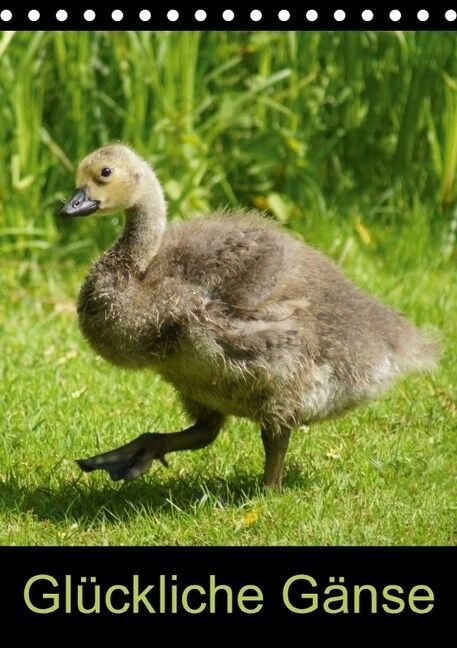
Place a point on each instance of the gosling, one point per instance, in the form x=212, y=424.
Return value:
x=239, y=316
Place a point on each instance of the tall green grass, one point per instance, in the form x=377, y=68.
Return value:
x=290, y=122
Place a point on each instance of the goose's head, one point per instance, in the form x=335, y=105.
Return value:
x=113, y=178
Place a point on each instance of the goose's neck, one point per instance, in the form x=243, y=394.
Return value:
x=143, y=231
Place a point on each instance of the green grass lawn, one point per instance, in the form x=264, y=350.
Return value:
x=382, y=475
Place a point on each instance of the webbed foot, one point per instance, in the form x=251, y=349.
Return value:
x=129, y=461
x=135, y=458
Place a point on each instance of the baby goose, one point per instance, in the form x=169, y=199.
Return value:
x=239, y=316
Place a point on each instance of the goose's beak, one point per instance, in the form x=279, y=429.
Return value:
x=80, y=204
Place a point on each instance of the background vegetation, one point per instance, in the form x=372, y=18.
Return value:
x=349, y=139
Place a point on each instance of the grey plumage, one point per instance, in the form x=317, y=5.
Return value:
x=242, y=318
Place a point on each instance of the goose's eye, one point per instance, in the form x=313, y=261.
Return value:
x=106, y=172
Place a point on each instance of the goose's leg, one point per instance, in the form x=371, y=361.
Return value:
x=275, y=446
x=134, y=459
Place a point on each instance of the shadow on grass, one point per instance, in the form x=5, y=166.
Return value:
x=86, y=503
x=95, y=501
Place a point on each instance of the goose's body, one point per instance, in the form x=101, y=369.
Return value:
x=239, y=316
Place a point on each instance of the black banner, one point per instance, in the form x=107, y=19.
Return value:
x=332, y=590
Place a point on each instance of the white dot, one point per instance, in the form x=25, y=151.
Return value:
x=34, y=15
x=145, y=15
x=61, y=15
x=89, y=15
x=256, y=15
x=311, y=15
x=6, y=15
x=339, y=15
x=284, y=15
x=200, y=15
x=367, y=15
x=395, y=15
x=450, y=15
x=117, y=15
x=422, y=15
x=172, y=15
x=228, y=15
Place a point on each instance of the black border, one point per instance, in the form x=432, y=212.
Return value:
x=214, y=20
